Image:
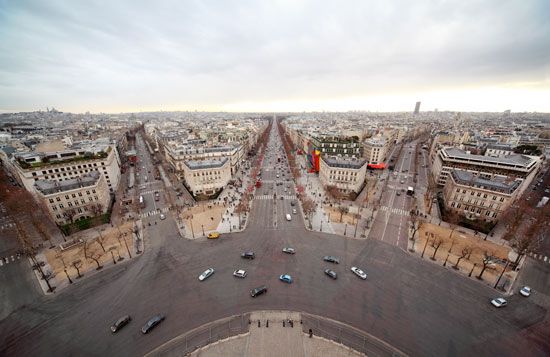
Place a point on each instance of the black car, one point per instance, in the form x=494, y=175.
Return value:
x=120, y=323
x=153, y=321
x=248, y=255
x=331, y=273
x=292, y=203
x=331, y=259
x=258, y=291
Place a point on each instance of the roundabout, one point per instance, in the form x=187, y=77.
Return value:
x=408, y=304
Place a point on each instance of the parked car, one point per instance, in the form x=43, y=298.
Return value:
x=331, y=259
x=292, y=203
x=152, y=323
x=162, y=216
x=258, y=291
x=240, y=273
x=286, y=278
x=525, y=291
x=248, y=255
x=206, y=274
x=120, y=323
x=213, y=235
x=359, y=272
x=289, y=250
x=331, y=273
x=499, y=302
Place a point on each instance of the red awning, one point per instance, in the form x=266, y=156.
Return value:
x=377, y=166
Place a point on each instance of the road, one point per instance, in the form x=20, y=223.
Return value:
x=421, y=308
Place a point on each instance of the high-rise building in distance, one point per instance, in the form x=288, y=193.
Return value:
x=417, y=108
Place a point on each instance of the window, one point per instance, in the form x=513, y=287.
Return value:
x=58, y=199
x=51, y=200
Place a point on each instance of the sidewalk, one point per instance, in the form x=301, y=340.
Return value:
x=275, y=340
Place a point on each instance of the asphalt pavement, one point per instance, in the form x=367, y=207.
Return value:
x=420, y=308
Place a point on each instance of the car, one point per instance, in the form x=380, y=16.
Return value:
x=525, y=291
x=398, y=193
x=294, y=211
x=331, y=273
x=248, y=255
x=240, y=273
x=152, y=323
x=213, y=235
x=206, y=274
x=162, y=216
x=402, y=181
x=258, y=291
x=289, y=250
x=292, y=203
x=359, y=272
x=499, y=302
x=120, y=323
x=331, y=259
x=285, y=278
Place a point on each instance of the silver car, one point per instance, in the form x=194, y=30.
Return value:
x=206, y=274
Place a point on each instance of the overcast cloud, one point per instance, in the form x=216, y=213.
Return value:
x=274, y=55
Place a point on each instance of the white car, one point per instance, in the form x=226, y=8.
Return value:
x=525, y=291
x=162, y=216
x=207, y=273
x=359, y=272
x=289, y=250
x=499, y=302
x=239, y=273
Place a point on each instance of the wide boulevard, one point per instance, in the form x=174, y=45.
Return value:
x=420, y=308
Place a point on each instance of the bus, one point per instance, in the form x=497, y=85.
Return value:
x=410, y=191
x=141, y=202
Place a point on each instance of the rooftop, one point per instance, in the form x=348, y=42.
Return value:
x=498, y=184
x=205, y=164
x=510, y=160
x=47, y=187
x=343, y=163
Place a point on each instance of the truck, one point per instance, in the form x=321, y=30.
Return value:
x=410, y=191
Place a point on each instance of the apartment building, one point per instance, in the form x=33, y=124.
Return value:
x=348, y=175
x=477, y=198
x=81, y=159
x=73, y=199
x=337, y=145
x=513, y=166
x=178, y=154
x=206, y=177
x=375, y=150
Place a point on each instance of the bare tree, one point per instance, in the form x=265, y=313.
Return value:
x=308, y=205
x=486, y=261
x=436, y=243
x=342, y=210
x=101, y=240
x=70, y=214
x=416, y=223
x=95, y=255
x=96, y=209
x=77, y=264
x=466, y=251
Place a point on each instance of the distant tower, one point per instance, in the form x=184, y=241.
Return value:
x=417, y=108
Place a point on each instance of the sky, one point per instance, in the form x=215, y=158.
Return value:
x=241, y=55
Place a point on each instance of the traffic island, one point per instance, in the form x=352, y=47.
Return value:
x=467, y=253
x=90, y=252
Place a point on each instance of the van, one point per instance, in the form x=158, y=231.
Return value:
x=288, y=217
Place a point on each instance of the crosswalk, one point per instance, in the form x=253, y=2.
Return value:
x=154, y=212
x=540, y=257
x=150, y=191
x=9, y=259
x=399, y=211
x=270, y=197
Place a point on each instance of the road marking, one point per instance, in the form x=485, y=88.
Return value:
x=155, y=212
x=1, y=262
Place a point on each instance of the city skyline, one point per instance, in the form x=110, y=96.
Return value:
x=285, y=56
